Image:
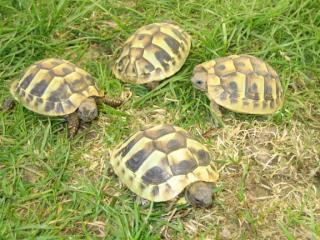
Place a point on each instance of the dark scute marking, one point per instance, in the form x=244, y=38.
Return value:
x=155, y=175
x=179, y=35
x=163, y=57
x=154, y=134
x=173, y=145
x=200, y=69
x=49, y=106
x=234, y=92
x=59, y=108
x=131, y=179
x=27, y=80
x=203, y=157
x=223, y=96
x=221, y=67
x=39, y=88
x=123, y=171
x=141, y=36
x=268, y=93
x=124, y=151
x=239, y=64
x=66, y=70
x=254, y=87
x=148, y=66
x=78, y=85
x=59, y=94
x=252, y=92
x=138, y=158
x=155, y=191
x=184, y=167
x=233, y=86
x=173, y=44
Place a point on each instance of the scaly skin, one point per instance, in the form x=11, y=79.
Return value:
x=8, y=104
x=73, y=124
x=152, y=85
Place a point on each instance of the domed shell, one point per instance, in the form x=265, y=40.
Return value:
x=153, y=53
x=158, y=162
x=243, y=83
x=53, y=87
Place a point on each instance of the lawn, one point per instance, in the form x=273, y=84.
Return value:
x=54, y=188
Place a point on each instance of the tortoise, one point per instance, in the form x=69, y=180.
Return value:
x=158, y=162
x=240, y=83
x=55, y=87
x=153, y=53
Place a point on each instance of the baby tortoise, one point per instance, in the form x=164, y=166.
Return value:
x=159, y=162
x=153, y=53
x=55, y=87
x=240, y=83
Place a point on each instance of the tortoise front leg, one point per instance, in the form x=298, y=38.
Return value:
x=215, y=108
x=8, y=104
x=73, y=124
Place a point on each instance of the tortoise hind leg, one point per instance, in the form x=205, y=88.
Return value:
x=8, y=104
x=152, y=85
x=73, y=124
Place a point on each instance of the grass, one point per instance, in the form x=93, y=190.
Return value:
x=53, y=188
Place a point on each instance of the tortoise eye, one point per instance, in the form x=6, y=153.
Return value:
x=199, y=82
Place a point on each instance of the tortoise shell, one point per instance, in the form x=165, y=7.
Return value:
x=242, y=83
x=153, y=53
x=53, y=87
x=158, y=162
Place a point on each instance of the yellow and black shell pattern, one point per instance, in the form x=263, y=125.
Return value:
x=243, y=83
x=53, y=87
x=157, y=163
x=154, y=52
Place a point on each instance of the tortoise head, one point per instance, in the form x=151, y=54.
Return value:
x=199, y=194
x=88, y=111
x=200, y=77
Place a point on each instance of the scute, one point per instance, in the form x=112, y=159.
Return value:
x=242, y=83
x=163, y=160
x=153, y=53
x=53, y=87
